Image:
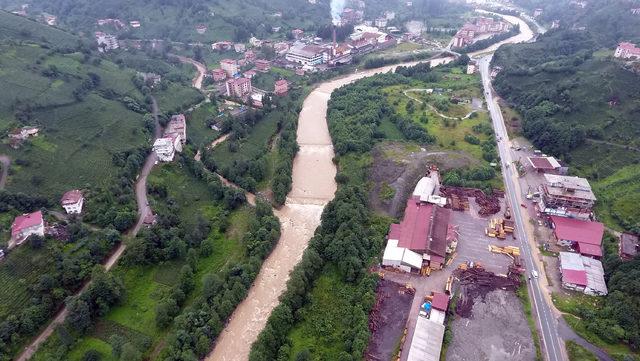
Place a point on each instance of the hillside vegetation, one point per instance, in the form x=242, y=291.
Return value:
x=578, y=105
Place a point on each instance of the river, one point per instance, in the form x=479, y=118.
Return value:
x=313, y=187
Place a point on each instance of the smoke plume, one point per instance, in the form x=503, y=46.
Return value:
x=336, y=9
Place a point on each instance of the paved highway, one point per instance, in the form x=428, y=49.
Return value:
x=548, y=325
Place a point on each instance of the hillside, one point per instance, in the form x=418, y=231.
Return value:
x=176, y=20
x=577, y=103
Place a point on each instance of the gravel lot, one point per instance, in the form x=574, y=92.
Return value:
x=496, y=331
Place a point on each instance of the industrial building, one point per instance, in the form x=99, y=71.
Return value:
x=566, y=196
x=583, y=236
x=426, y=343
x=546, y=165
x=582, y=274
x=306, y=54
x=424, y=230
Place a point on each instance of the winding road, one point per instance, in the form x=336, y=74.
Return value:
x=143, y=210
x=201, y=68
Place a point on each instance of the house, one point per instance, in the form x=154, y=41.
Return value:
x=281, y=87
x=281, y=48
x=165, y=148
x=537, y=12
x=134, y=23
x=305, y=54
x=297, y=33
x=250, y=56
x=230, y=66
x=566, y=196
x=471, y=67
x=51, y=20
x=201, y=28
x=249, y=74
x=582, y=274
x=635, y=11
x=263, y=65
x=218, y=74
x=24, y=226
x=150, y=79
x=72, y=202
x=255, y=42
x=627, y=50
x=381, y=22
x=629, y=246
x=583, y=236
x=106, y=42
x=222, y=46
x=239, y=47
x=239, y=87
x=545, y=165
x=24, y=133
x=177, y=125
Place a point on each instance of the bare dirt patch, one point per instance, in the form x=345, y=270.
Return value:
x=388, y=319
x=496, y=330
x=396, y=168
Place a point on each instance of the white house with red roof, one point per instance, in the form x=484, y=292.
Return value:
x=583, y=236
x=24, y=226
x=627, y=50
x=72, y=202
x=582, y=274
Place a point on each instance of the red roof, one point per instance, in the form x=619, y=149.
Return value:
x=589, y=249
x=440, y=301
x=541, y=163
x=575, y=277
x=394, y=231
x=575, y=230
x=414, y=228
x=71, y=197
x=26, y=221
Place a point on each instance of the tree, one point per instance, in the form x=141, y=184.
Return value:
x=91, y=355
x=79, y=316
x=130, y=353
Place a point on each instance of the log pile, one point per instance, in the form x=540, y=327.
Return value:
x=459, y=199
x=477, y=282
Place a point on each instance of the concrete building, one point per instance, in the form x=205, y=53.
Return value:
x=106, y=42
x=305, y=54
x=629, y=246
x=584, y=237
x=537, y=12
x=72, y=202
x=239, y=87
x=281, y=87
x=201, y=29
x=545, y=165
x=426, y=343
x=177, y=125
x=218, y=74
x=566, y=196
x=239, y=47
x=582, y=274
x=297, y=33
x=24, y=133
x=471, y=67
x=25, y=226
x=627, y=50
x=230, y=66
x=165, y=148
x=263, y=65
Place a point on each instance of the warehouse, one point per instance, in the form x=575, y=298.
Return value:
x=582, y=274
x=426, y=343
x=584, y=237
x=545, y=165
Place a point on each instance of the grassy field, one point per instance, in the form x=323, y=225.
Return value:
x=147, y=285
x=251, y=147
x=570, y=304
x=579, y=353
x=449, y=133
x=17, y=28
x=323, y=318
x=618, y=196
x=199, y=132
x=176, y=98
x=18, y=271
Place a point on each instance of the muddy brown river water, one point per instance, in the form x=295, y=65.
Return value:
x=313, y=187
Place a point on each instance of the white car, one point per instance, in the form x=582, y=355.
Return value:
x=534, y=274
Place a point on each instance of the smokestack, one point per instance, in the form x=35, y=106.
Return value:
x=334, y=36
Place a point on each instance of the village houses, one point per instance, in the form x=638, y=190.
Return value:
x=72, y=202
x=25, y=226
x=627, y=50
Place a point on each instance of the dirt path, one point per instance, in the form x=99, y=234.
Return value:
x=143, y=210
x=5, y=163
x=313, y=187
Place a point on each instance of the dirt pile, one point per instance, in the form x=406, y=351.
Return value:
x=476, y=283
x=387, y=319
